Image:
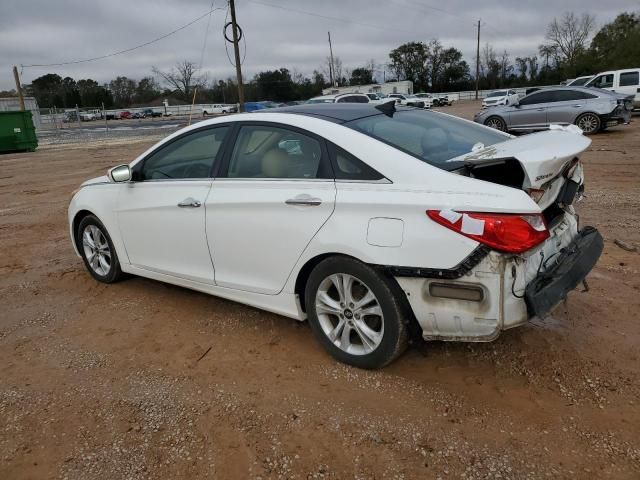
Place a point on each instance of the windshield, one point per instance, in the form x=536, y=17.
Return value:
x=432, y=137
x=500, y=93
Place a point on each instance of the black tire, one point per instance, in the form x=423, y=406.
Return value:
x=224, y=112
x=114, y=274
x=395, y=315
x=496, y=122
x=589, y=122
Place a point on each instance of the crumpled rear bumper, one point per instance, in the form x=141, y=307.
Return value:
x=571, y=267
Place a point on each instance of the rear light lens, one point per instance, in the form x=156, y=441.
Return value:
x=504, y=232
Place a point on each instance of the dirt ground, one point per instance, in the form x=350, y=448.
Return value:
x=145, y=380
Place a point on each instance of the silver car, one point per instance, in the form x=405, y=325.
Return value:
x=591, y=109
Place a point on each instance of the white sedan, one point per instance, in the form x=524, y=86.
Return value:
x=500, y=97
x=374, y=223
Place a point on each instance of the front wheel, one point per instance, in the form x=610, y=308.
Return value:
x=97, y=250
x=497, y=123
x=589, y=123
x=356, y=313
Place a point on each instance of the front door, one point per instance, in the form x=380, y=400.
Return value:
x=161, y=214
x=273, y=196
x=530, y=113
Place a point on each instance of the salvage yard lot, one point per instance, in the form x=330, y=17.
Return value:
x=146, y=380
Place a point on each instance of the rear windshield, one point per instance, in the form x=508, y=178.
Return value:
x=432, y=137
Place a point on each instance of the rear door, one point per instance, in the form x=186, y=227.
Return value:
x=531, y=112
x=276, y=189
x=566, y=106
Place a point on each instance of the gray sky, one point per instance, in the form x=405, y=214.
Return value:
x=53, y=31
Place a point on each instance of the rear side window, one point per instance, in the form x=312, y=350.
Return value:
x=541, y=97
x=571, y=95
x=629, y=79
x=348, y=167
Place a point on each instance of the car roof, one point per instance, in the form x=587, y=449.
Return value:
x=334, y=112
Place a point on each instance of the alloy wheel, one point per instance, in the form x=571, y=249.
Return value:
x=349, y=314
x=588, y=123
x=96, y=250
x=495, y=122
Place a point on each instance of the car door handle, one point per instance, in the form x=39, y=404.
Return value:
x=189, y=203
x=576, y=106
x=540, y=109
x=304, y=200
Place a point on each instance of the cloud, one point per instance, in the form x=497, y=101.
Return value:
x=277, y=34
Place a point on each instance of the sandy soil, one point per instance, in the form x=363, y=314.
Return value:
x=110, y=382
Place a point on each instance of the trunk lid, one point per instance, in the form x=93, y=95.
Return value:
x=542, y=156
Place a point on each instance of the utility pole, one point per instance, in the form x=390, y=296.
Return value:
x=236, y=49
x=18, y=87
x=478, y=61
x=334, y=82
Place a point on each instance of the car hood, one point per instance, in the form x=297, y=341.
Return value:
x=542, y=155
x=494, y=99
x=94, y=181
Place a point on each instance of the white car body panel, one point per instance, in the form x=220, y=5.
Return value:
x=242, y=227
x=249, y=246
x=161, y=237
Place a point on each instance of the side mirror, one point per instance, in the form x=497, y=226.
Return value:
x=121, y=173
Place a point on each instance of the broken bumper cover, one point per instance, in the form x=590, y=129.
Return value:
x=573, y=265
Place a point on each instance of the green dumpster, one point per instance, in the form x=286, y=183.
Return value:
x=17, y=132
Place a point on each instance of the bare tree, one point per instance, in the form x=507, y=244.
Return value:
x=505, y=66
x=569, y=34
x=184, y=77
x=547, y=51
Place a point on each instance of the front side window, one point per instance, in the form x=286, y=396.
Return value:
x=274, y=152
x=433, y=138
x=603, y=81
x=629, y=79
x=191, y=156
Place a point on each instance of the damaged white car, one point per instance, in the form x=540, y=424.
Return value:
x=374, y=223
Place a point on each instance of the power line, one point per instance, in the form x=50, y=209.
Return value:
x=120, y=52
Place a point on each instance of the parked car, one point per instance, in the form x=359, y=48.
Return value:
x=381, y=238
x=126, y=114
x=150, y=112
x=253, y=106
x=590, y=109
x=626, y=82
x=138, y=114
x=428, y=99
x=218, y=109
x=354, y=97
x=408, y=100
x=500, y=97
x=578, y=82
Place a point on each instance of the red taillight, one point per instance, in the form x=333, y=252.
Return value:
x=505, y=232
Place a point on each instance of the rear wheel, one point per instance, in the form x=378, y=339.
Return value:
x=589, y=123
x=355, y=314
x=97, y=250
x=497, y=123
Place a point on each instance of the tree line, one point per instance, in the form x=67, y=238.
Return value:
x=566, y=53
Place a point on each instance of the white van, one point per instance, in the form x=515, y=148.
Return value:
x=620, y=81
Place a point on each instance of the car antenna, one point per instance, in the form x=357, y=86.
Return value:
x=388, y=108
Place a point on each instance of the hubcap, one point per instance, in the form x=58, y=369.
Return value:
x=96, y=250
x=349, y=314
x=588, y=123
